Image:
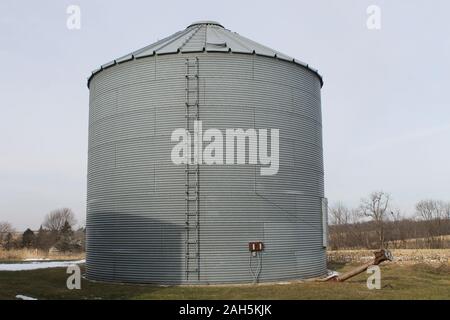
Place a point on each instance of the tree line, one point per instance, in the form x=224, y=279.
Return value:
x=375, y=224
x=56, y=233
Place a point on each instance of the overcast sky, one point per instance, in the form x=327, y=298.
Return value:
x=386, y=106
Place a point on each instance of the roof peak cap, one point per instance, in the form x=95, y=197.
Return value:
x=207, y=22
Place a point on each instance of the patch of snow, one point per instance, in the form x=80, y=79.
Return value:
x=37, y=265
x=22, y=297
x=36, y=259
x=331, y=274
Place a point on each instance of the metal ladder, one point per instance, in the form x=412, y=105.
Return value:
x=192, y=174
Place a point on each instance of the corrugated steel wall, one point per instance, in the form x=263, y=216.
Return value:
x=136, y=196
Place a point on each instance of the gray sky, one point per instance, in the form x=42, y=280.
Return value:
x=386, y=110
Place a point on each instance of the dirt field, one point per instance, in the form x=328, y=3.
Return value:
x=401, y=256
x=34, y=254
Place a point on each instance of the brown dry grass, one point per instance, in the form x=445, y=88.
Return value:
x=23, y=254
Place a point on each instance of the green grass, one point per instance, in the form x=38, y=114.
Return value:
x=398, y=282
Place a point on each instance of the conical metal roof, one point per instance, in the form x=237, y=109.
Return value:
x=209, y=36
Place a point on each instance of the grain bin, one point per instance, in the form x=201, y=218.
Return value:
x=150, y=220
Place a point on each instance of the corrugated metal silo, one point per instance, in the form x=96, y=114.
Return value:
x=151, y=221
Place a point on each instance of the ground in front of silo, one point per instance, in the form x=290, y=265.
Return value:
x=398, y=281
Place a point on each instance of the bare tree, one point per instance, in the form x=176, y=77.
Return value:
x=346, y=230
x=446, y=210
x=395, y=234
x=56, y=219
x=339, y=217
x=427, y=210
x=339, y=214
x=5, y=228
x=376, y=207
x=433, y=213
x=351, y=229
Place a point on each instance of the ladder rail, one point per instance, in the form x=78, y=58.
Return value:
x=192, y=172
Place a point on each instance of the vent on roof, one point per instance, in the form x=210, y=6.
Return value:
x=217, y=45
x=214, y=38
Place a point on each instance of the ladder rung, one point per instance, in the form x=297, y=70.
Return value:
x=194, y=228
x=191, y=185
x=191, y=116
x=192, y=242
x=193, y=270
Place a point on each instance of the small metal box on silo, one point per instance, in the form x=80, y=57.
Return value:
x=150, y=220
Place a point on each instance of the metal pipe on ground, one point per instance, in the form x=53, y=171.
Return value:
x=380, y=256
